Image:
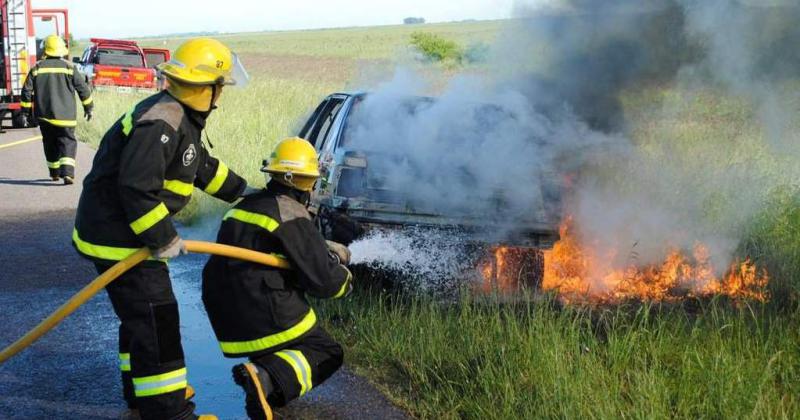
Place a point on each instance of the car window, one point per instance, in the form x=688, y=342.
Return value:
x=120, y=58
x=324, y=121
x=155, y=58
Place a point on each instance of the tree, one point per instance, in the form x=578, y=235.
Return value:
x=413, y=21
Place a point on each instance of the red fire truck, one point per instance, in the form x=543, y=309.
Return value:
x=18, y=49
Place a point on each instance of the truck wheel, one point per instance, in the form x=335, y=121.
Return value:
x=19, y=120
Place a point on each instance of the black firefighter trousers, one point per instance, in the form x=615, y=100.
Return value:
x=60, y=149
x=150, y=352
x=301, y=365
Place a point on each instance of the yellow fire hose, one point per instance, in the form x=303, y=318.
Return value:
x=121, y=267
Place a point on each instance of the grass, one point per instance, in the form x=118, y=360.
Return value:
x=491, y=360
x=479, y=360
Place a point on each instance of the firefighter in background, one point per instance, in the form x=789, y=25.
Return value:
x=262, y=312
x=50, y=90
x=145, y=170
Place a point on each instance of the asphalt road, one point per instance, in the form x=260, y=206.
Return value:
x=72, y=372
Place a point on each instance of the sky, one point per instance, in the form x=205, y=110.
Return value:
x=117, y=18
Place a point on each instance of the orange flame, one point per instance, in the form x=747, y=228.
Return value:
x=581, y=274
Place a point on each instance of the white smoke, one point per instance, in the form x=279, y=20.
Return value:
x=551, y=105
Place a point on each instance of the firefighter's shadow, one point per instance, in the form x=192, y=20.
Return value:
x=43, y=182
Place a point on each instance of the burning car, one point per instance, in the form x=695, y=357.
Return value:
x=381, y=179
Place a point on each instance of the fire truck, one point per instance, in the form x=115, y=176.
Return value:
x=19, y=49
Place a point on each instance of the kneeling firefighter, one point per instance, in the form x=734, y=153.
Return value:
x=145, y=171
x=263, y=313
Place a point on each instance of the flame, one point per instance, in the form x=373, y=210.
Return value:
x=584, y=274
x=508, y=269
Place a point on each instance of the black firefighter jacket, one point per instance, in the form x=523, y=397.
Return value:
x=50, y=86
x=258, y=309
x=144, y=172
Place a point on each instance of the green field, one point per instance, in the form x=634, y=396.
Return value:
x=492, y=360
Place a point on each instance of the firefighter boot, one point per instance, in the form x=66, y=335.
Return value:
x=68, y=180
x=133, y=414
x=257, y=386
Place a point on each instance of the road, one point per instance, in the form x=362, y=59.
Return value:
x=72, y=372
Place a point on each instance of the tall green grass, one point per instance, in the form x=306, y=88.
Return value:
x=491, y=360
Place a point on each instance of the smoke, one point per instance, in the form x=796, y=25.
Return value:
x=553, y=103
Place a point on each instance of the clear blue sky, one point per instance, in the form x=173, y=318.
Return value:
x=118, y=18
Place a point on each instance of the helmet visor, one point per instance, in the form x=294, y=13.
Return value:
x=238, y=76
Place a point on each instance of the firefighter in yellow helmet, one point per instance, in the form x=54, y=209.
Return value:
x=263, y=313
x=145, y=171
x=49, y=92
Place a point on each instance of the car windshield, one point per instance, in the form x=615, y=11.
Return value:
x=120, y=58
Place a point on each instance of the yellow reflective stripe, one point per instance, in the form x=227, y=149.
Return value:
x=53, y=71
x=160, y=384
x=150, y=218
x=343, y=290
x=181, y=188
x=54, y=165
x=61, y=123
x=67, y=161
x=26, y=104
x=127, y=122
x=125, y=362
x=301, y=368
x=243, y=347
x=219, y=179
x=260, y=220
x=101, y=251
x=87, y=101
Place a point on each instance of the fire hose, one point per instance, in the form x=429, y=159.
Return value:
x=120, y=268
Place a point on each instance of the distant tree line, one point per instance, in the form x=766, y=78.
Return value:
x=413, y=21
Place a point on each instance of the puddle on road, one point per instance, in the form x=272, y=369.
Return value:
x=209, y=372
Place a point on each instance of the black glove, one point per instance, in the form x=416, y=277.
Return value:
x=340, y=227
x=88, y=114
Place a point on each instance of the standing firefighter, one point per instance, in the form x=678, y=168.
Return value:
x=145, y=170
x=263, y=313
x=50, y=86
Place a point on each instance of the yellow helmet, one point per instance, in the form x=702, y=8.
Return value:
x=54, y=46
x=294, y=163
x=205, y=61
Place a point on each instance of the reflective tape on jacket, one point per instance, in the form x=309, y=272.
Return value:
x=181, y=188
x=26, y=104
x=244, y=347
x=219, y=179
x=346, y=286
x=301, y=367
x=160, y=384
x=257, y=219
x=53, y=71
x=101, y=251
x=87, y=101
x=127, y=122
x=157, y=214
x=125, y=362
x=60, y=123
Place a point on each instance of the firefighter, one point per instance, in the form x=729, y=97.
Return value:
x=263, y=313
x=51, y=85
x=145, y=170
